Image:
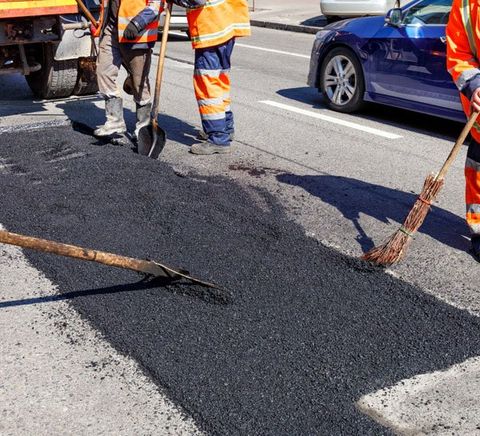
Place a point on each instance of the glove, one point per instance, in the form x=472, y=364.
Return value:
x=93, y=29
x=132, y=31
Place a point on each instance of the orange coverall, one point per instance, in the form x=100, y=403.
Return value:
x=463, y=44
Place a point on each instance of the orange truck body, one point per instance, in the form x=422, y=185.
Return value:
x=36, y=8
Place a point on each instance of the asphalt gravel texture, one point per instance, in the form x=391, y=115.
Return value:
x=305, y=331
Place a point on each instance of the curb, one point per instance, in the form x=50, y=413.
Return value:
x=282, y=26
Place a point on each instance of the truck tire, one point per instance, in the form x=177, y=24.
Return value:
x=56, y=79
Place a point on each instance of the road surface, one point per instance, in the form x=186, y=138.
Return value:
x=309, y=339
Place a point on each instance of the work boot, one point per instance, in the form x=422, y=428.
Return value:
x=202, y=136
x=209, y=148
x=115, y=124
x=475, y=241
x=143, y=117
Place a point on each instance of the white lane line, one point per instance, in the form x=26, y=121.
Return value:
x=271, y=50
x=333, y=120
x=254, y=47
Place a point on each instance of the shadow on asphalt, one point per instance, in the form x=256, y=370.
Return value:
x=352, y=197
x=177, y=130
x=138, y=286
x=208, y=295
x=400, y=118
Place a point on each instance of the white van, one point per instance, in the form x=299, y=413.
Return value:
x=355, y=8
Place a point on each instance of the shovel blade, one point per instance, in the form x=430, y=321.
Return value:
x=151, y=140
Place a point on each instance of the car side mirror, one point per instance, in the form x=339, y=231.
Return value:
x=394, y=17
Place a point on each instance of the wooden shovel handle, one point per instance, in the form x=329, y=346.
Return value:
x=458, y=145
x=161, y=62
x=81, y=253
x=87, y=13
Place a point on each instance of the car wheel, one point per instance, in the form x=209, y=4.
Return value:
x=341, y=80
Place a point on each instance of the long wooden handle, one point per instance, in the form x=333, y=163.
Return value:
x=75, y=252
x=161, y=62
x=458, y=145
x=87, y=13
x=148, y=267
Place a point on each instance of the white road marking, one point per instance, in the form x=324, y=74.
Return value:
x=271, y=50
x=438, y=403
x=254, y=47
x=333, y=120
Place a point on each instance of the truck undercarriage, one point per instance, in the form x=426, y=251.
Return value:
x=53, y=51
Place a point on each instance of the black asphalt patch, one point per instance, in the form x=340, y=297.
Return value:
x=308, y=332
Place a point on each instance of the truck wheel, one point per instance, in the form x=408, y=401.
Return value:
x=56, y=79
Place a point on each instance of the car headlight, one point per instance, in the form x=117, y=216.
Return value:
x=322, y=34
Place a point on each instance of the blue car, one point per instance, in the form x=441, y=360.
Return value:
x=397, y=60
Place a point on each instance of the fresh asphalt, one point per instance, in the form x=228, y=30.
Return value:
x=302, y=332
x=305, y=331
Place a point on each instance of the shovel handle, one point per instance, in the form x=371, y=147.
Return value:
x=458, y=145
x=161, y=62
x=87, y=13
x=75, y=252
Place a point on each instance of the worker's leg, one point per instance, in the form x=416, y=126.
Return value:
x=472, y=194
x=225, y=56
x=108, y=65
x=138, y=62
x=210, y=91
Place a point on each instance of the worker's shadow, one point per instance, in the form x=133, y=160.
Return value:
x=352, y=197
x=87, y=116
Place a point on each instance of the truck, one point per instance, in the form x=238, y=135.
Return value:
x=49, y=42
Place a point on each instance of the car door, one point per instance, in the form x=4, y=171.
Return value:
x=408, y=62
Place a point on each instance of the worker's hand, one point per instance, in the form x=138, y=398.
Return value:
x=131, y=32
x=93, y=29
x=476, y=100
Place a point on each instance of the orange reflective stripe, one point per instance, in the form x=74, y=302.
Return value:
x=207, y=87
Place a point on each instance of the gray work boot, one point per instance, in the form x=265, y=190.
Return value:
x=143, y=117
x=115, y=124
x=209, y=148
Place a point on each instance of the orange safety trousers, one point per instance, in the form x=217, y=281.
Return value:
x=211, y=81
x=472, y=187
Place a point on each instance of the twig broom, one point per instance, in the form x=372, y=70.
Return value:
x=394, y=249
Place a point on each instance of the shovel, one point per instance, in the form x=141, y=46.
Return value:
x=152, y=138
x=149, y=268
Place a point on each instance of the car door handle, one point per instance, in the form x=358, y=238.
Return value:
x=443, y=39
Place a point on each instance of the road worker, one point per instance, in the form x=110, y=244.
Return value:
x=463, y=45
x=214, y=25
x=128, y=30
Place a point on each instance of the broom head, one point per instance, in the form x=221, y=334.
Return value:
x=394, y=249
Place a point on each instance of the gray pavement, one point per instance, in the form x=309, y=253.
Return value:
x=347, y=188
x=59, y=376
x=300, y=16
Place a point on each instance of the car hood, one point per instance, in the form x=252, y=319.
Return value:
x=365, y=27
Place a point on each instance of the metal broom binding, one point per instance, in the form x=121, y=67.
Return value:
x=394, y=249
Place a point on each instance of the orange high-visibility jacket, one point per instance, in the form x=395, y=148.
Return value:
x=218, y=21
x=145, y=13
x=463, y=44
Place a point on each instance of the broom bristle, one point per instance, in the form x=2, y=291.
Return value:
x=394, y=249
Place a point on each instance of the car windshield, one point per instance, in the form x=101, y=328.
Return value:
x=428, y=12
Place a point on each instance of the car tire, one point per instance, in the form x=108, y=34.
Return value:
x=341, y=80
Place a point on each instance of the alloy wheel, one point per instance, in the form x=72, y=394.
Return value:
x=340, y=80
